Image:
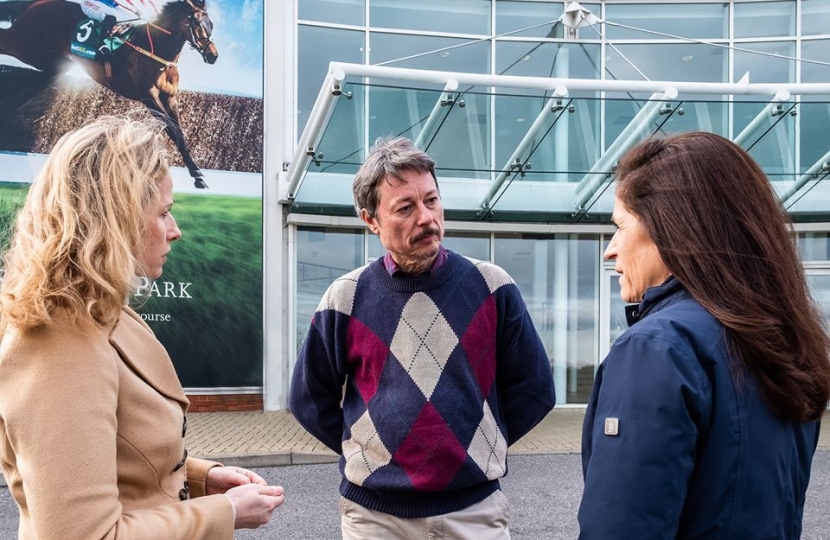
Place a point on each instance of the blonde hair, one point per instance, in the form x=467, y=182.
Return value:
x=73, y=249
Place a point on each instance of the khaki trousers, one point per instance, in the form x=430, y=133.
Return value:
x=486, y=520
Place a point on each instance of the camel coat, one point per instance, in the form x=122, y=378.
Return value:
x=92, y=429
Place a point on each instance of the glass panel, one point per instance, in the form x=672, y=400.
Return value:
x=341, y=148
x=395, y=50
x=820, y=287
x=376, y=249
x=772, y=145
x=617, y=324
x=558, y=277
x=564, y=147
x=765, y=67
x=765, y=19
x=323, y=255
x=316, y=48
x=818, y=50
x=332, y=11
x=459, y=16
x=563, y=60
x=460, y=144
x=814, y=246
x=476, y=246
x=815, y=117
x=668, y=62
x=701, y=21
x=815, y=17
x=524, y=18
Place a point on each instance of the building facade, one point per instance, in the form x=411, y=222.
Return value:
x=525, y=105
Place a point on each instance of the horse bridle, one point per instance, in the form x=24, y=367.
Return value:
x=196, y=22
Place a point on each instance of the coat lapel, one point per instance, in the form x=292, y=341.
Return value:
x=145, y=355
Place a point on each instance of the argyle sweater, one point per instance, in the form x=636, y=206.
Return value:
x=442, y=373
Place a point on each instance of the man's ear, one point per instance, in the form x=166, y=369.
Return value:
x=370, y=222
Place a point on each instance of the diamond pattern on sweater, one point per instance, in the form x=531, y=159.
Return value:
x=430, y=447
x=364, y=451
x=340, y=295
x=479, y=344
x=493, y=275
x=423, y=342
x=489, y=447
x=368, y=354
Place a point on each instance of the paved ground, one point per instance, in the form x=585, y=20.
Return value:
x=264, y=439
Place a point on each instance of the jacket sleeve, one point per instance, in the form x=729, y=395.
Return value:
x=525, y=382
x=653, y=393
x=59, y=406
x=317, y=383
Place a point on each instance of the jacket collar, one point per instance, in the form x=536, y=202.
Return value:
x=145, y=355
x=654, y=297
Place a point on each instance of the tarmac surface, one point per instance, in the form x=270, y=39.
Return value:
x=267, y=439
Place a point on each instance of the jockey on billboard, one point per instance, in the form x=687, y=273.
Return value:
x=115, y=16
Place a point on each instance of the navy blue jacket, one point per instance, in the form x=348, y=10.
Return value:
x=694, y=455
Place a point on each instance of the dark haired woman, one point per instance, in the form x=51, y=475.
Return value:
x=704, y=416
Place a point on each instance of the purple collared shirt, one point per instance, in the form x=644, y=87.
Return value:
x=395, y=270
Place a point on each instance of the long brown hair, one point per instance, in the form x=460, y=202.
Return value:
x=723, y=233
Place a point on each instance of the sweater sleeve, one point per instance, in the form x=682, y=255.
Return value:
x=652, y=392
x=317, y=384
x=525, y=382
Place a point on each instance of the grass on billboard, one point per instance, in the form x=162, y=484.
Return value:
x=207, y=307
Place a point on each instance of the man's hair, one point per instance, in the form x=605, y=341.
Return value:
x=722, y=232
x=74, y=245
x=387, y=157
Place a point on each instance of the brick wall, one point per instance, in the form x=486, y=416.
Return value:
x=225, y=402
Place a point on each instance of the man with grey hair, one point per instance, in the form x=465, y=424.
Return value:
x=442, y=367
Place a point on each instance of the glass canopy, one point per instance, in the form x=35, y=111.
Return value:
x=534, y=149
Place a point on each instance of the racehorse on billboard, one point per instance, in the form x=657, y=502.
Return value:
x=47, y=34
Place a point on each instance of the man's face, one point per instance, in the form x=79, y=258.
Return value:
x=409, y=219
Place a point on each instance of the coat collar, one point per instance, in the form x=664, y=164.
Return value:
x=145, y=355
x=654, y=297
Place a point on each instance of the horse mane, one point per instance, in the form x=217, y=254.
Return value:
x=174, y=11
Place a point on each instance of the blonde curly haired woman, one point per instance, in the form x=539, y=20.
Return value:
x=92, y=414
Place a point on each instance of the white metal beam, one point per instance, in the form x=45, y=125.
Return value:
x=317, y=120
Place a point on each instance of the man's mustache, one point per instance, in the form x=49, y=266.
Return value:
x=426, y=233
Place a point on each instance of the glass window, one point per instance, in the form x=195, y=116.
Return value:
x=700, y=21
x=564, y=60
x=819, y=283
x=667, y=62
x=815, y=17
x=431, y=53
x=814, y=115
x=535, y=18
x=763, y=61
x=316, y=48
x=765, y=19
x=814, y=246
x=323, y=255
x=458, y=16
x=558, y=276
x=818, y=50
x=332, y=11
x=476, y=246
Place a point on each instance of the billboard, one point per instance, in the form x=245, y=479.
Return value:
x=203, y=61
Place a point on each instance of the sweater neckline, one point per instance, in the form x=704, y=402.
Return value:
x=415, y=284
